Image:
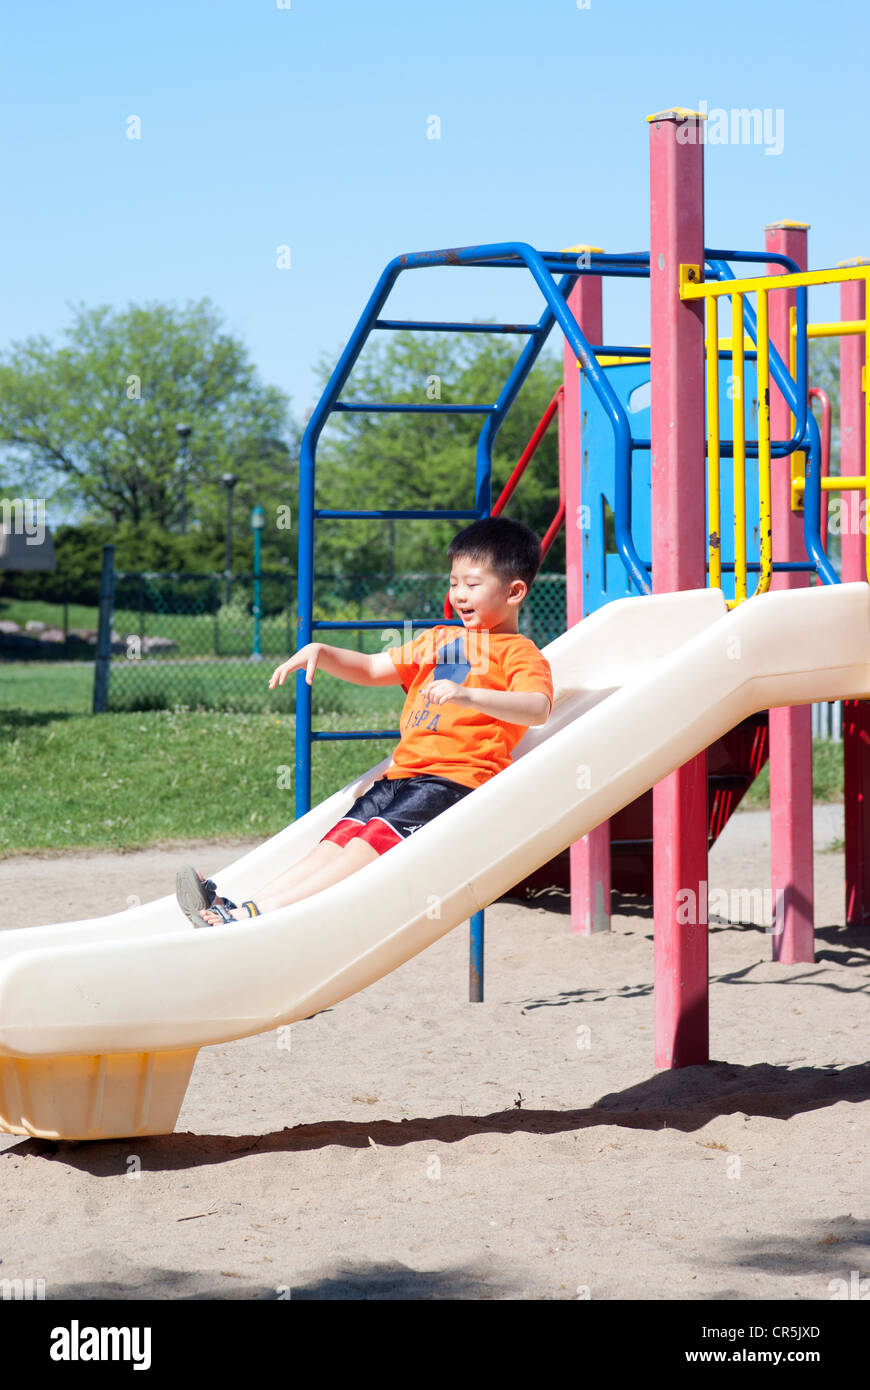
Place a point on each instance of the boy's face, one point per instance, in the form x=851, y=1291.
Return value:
x=482, y=599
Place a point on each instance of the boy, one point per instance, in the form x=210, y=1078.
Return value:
x=471, y=693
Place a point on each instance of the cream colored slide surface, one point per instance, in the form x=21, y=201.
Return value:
x=100, y=1020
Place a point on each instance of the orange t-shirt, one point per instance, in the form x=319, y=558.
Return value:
x=458, y=741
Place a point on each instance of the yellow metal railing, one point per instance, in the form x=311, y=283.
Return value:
x=846, y=328
x=737, y=346
x=691, y=287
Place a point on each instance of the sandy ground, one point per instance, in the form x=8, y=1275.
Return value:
x=412, y=1145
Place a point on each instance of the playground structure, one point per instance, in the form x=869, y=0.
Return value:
x=100, y=1020
x=658, y=489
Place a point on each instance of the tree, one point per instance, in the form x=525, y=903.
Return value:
x=93, y=423
x=428, y=460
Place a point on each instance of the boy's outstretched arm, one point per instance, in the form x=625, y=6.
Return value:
x=347, y=665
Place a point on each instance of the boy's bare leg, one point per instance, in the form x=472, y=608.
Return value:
x=311, y=863
x=322, y=853
x=350, y=857
x=332, y=868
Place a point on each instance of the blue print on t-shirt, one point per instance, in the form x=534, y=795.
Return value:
x=452, y=663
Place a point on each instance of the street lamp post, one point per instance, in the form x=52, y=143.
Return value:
x=228, y=480
x=258, y=521
x=183, y=432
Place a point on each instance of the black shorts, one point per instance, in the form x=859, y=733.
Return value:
x=394, y=807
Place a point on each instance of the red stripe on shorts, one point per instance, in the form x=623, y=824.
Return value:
x=345, y=829
x=380, y=834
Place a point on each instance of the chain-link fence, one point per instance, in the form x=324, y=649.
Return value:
x=199, y=641
x=194, y=639
x=212, y=641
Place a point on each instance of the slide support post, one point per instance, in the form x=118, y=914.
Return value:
x=678, y=478
x=590, y=855
x=791, y=740
x=856, y=720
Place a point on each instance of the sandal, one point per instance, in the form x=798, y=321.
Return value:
x=194, y=892
x=226, y=916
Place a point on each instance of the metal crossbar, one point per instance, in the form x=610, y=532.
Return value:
x=418, y=324
x=409, y=408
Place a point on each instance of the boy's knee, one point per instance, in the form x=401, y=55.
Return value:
x=359, y=850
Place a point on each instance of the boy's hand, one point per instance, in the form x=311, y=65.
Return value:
x=439, y=692
x=307, y=656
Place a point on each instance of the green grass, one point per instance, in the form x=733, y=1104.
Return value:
x=22, y=610
x=191, y=675
x=131, y=779
x=236, y=687
x=228, y=686
x=126, y=781
x=827, y=777
x=42, y=687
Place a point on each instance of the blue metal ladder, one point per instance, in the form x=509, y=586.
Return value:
x=508, y=255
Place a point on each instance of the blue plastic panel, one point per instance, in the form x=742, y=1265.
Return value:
x=604, y=575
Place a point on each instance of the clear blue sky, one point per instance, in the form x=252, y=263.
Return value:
x=307, y=126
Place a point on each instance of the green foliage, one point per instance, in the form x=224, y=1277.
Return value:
x=145, y=778
x=142, y=778
x=93, y=423
x=827, y=777
x=140, y=547
x=31, y=689
x=78, y=550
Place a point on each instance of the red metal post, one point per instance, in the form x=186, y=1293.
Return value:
x=856, y=720
x=679, y=562
x=589, y=856
x=791, y=738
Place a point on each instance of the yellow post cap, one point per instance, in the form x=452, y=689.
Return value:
x=677, y=113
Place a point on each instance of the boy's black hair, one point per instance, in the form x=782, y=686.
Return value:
x=510, y=548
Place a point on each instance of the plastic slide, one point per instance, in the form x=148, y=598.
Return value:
x=101, y=1020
